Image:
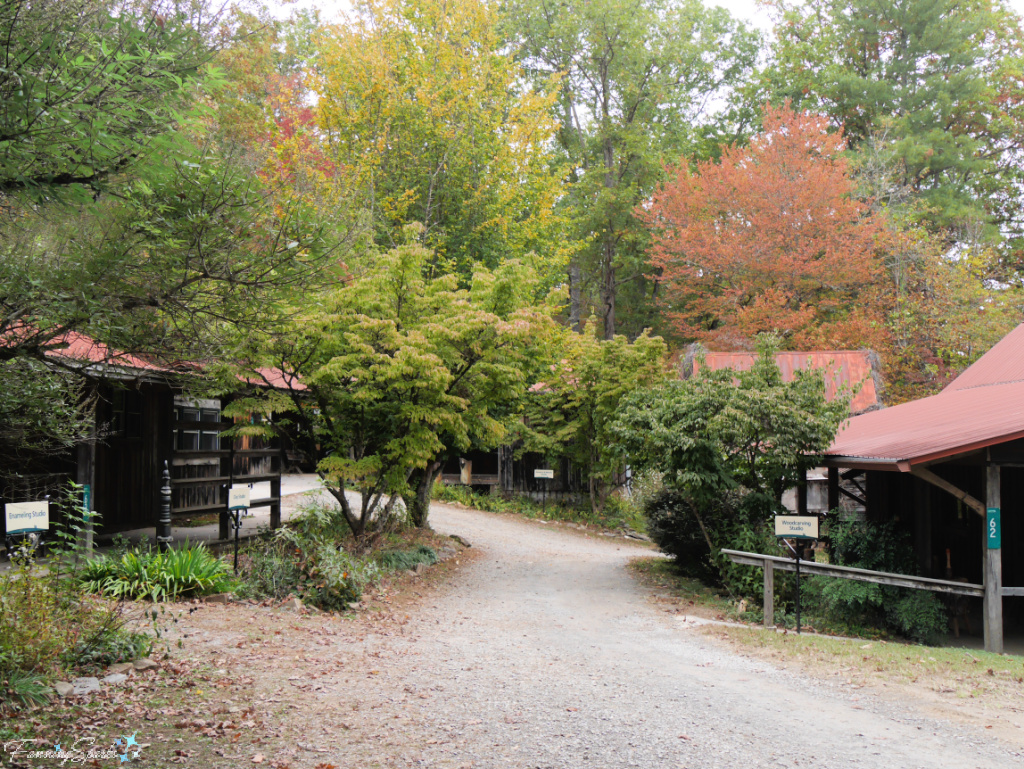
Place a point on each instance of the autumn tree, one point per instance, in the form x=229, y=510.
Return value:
x=769, y=240
x=434, y=123
x=636, y=80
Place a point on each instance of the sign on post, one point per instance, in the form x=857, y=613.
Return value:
x=238, y=498
x=27, y=516
x=549, y=474
x=993, y=529
x=796, y=526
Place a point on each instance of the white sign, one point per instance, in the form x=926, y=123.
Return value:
x=27, y=516
x=543, y=473
x=796, y=526
x=238, y=498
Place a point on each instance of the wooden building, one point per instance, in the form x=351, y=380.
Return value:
x=950, y=470
x=145, y=421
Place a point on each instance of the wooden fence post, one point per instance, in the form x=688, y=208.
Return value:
x=769, y=595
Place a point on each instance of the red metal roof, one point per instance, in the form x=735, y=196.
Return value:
x=843, y=369
x=982, y=407
x=79, y=348
x=277, y=379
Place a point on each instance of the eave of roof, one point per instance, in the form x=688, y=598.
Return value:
x=107, y=363
x=984, y=407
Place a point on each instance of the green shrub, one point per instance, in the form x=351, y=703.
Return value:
x=108, y=647
x=683, y=531
x=400, y=560
x=157, y=575
x=915, y=614
x=307, y=559
x=336, y=578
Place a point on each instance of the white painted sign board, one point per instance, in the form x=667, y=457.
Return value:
x=238, y=498
x=27, y=516
x=796, y=526
x=544, y=474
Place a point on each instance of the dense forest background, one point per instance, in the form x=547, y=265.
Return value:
x=432, y=210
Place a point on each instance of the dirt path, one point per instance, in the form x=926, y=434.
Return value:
x=539, y=652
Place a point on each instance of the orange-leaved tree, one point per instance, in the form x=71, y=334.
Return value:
x=770, y=240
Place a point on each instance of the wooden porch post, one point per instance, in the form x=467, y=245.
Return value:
x=833, y=488
x=993, y=559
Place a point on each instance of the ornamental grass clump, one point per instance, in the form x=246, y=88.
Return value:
x=156, y=576
x=399, y=560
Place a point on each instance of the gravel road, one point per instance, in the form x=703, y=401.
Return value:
x=545, y=653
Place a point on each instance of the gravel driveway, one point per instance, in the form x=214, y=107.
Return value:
x=546, y=654
x=539, y=651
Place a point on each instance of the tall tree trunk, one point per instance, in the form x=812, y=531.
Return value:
x=356, y=523
x=575, y=292
x=608, y=286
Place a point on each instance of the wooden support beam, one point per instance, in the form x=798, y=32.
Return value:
x=859, y=500
x=833, y=488
x=993, y=558
x=928, y=476
x=801, y=497
x=86, y=476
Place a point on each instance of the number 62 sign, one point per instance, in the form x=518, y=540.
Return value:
x=993, y=532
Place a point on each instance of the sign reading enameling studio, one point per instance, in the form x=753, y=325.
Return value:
x=27, y=516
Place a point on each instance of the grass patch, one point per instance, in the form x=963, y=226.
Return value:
x=959, y=672
x=403, y=560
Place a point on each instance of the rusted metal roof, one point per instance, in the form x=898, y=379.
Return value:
x=277, y=379
x=844, y=369
x=82, y=350
x=982, y=407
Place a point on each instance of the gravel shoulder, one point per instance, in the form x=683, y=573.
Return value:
x=537, y=649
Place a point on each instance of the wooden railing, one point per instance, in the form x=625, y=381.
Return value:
x=772, y=562
x=217, y=469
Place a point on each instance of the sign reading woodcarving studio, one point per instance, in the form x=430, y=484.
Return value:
x=796, y=526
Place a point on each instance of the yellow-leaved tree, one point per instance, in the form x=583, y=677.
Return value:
x=432, y=121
